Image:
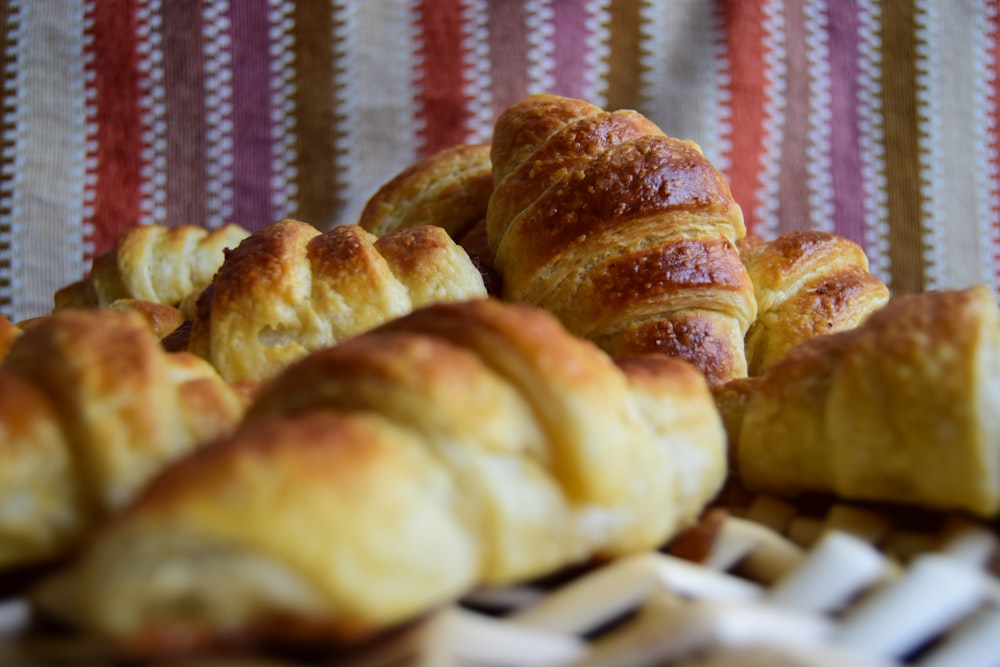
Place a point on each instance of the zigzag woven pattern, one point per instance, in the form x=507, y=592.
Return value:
x=876, y=119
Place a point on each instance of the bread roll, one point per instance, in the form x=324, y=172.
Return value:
x=806, y=283
x=904, y=408
x=153, y=263
x=90, y=408
x=462, y=444
x=289, y=289
x=625, y=234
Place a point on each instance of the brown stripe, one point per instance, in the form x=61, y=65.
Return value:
x=899, y=104
x=624, y=62
x=185, y=112
x=8, y=18
x=793, y=211
x=315, y=63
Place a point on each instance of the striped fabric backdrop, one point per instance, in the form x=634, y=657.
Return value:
x=876, y=119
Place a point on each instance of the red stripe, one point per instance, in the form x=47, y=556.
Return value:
x=745, y=51
x=115, y=84
x=442, y=103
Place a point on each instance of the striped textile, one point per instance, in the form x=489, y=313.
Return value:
x=876, y=119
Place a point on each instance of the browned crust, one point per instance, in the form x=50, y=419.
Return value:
x=449, y=189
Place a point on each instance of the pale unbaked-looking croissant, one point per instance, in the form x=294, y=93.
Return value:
x=904, y=408
x=624, y=233
x=90, y=408
x=463, y=443
x=153, y=263
x=806, y=283
x=289, y=289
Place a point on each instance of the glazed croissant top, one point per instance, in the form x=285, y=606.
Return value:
x=624, y=233
x=904, y=408
x=153, y=263
x=288, y=289
x=90, y=408
x=464, y=443
x=806, y=283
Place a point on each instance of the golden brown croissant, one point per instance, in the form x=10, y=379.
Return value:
x=90, y=409
x=904, y=408
x=448, y=189
x=288, y=290
x=806, y=283
x=625, y=234
x=8, y=332
x=464, y=443
x=153, y=263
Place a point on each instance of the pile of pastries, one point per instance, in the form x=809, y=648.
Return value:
x=528, y=356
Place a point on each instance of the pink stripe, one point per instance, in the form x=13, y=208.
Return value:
x=570, y=40
x=508, y=53
x=849, y=217
x=252, y=191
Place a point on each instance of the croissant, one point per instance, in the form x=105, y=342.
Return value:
x=464, y=443
x=625, y=234
x=448, y=189
x=288, y=289
x=153, y=263
x=8, y=332
x=90, y=409
x=905, y=408
x=806, y=283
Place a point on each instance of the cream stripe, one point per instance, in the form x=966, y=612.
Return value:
x=818, y=156
x=952, y=99
x=598, y=50
x=153, y=187
x=540, y=27
x=50, y=127
x=681, y=84
x=281, y=49
x=376, y=98
x=872, y=136
x=476, y=50
x=218, y=114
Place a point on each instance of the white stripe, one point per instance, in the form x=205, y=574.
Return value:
x=539, y=19
x=218, y=113
x=952, y=101
x=819, y=161
x=476, y=50
x=281, y=43
x=377, y=137
x=597, y=52
x=872, y=138
x=49, y=143
x=682, y=80
x=775, y=68
x=153, y=181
